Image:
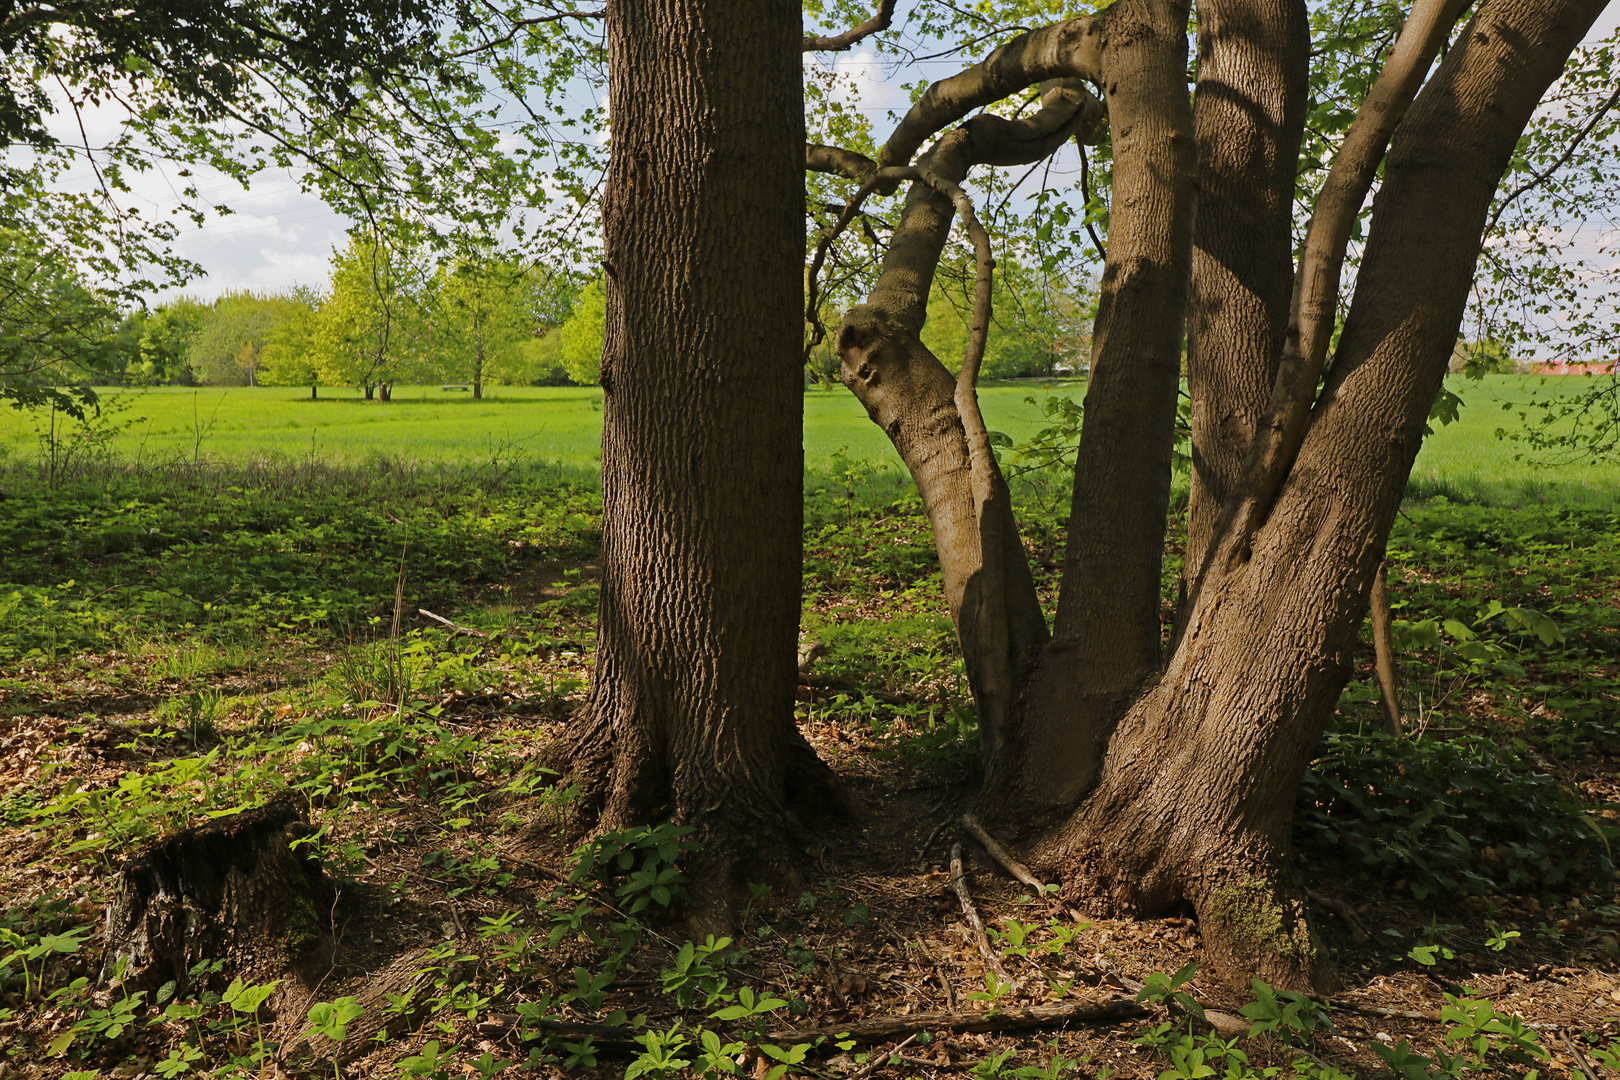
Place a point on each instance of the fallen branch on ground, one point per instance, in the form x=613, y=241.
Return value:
x=871, y=1030
x=880, y=1028
x=504, y=1025
x=441, y=619
x=959, y=883
x=833, y=682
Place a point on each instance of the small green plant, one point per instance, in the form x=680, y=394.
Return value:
x=644, y=857
x=694, y=974
x=1161, y=989
x=1482, y=1030
x=1289, y=1016
x=35, y=947
x=244, y=999
x=430, y=1063
x=332, y=1019
x=995, y=988
x=660, y=1054
x=1463, y=814
x=178, y=1062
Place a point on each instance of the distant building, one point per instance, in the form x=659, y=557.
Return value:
x=1568, y=367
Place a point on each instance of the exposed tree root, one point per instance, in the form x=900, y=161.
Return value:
x=1358, y=932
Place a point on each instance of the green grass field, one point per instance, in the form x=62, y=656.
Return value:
x=562, y=425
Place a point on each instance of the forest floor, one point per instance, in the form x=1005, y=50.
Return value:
x=177, y=646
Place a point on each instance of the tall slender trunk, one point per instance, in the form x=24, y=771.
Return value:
x=690, y=711
x=1248, y=116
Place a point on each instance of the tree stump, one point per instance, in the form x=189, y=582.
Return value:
x=233, y=889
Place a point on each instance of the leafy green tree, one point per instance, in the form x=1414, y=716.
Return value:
x=370, y=331
x=228, y=343
x=57, y=332
x=202, y=82
x=165, y=343
x=581, y=336
x=289, y=354
x=1028, y=335
x=480, y=319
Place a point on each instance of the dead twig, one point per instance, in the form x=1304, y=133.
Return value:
x=1579, y=1056
x=1002, y=855
x=881, y=1028
x=1358, y=932
x=922, y=852
x=880, y=1060
x=959, y=883
x=833, y=682
x=1378, y=1010
x=441, y=619
x=502, y=1026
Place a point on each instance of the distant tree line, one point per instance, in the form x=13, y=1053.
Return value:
x=390, y=313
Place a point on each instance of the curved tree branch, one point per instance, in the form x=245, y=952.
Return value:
x=934, y=420
x=1061, y=51
x=21, y=22
x=812, y=301
x=837, y=160
x=839, y=42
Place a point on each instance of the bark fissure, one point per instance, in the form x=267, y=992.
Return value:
x=1248, y=118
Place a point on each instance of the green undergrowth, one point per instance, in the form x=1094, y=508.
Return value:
x=179, y=594
x=188, y=567
x=1507, y=632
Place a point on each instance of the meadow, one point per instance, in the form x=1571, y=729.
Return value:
x=1465, y=461
x=251, y=600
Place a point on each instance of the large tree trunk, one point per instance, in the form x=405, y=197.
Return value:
x=1248, y=115
x=690, y=712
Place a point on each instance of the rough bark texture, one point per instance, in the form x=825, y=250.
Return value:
x=1248, y=115
x=690, y=714
x=1105, y=639
x=230, y=890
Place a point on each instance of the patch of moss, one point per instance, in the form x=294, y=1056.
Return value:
x=301, y=930
x=1253, y=917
